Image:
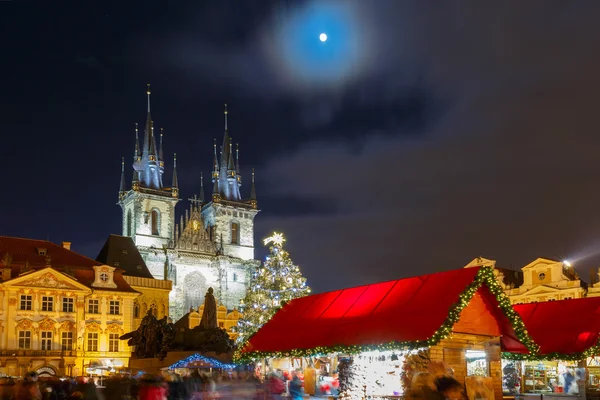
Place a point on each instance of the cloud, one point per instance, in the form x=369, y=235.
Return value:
x=509, y=171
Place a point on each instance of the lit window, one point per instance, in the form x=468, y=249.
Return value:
x=113, y=307
x=92, y=342
x=67, y=340
x=113, y=342
x=26, y=302
x=67, y=304
x=154, y=222
x=24, y=340
x=93, y=306
x=235, y=233
x=136, y=310
x=47, y=303
x=542, y=276
x=46, y=340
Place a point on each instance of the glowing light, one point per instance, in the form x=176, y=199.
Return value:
x=323, y=37
x=567, y=263
x=277, y=239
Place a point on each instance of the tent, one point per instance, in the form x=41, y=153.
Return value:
x=403, y=314
x=564, y=330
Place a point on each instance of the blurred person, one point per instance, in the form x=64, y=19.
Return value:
x=275, y=386
x=152, y=388
x=450, y=388
x=423, y=388
x=28, y=389
x=295, y=387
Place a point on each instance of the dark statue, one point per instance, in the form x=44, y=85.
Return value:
x=209, y=315
x=153, y=338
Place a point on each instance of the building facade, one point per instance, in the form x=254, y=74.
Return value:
x=62, y=313
x=541, y=280
x=211, y=244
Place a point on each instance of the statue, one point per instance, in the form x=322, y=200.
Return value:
x=153, y=338
x=209, y=316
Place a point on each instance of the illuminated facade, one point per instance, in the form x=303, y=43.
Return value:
x=225, y=319
x=63, y=313
x=541, y=280
x=213, y=243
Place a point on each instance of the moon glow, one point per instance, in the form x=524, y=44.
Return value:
x=323, y=37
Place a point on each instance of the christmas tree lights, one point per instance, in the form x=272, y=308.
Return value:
x=273, y=284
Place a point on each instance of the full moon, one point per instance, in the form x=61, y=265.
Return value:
x=323, y=37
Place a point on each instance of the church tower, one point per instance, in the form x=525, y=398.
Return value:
x=149, y=207
x=228, y=217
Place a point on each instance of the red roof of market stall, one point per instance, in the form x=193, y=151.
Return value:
x=564, y=326
x=405, y=310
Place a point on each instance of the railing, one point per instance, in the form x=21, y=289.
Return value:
x=38, y=353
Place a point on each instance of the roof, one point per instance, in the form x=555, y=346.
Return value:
x=409, y=312
x=575, y=327
x=121, y=252
x=25, y=252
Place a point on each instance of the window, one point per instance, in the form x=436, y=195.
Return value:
x=26, y=302
x=92, y=343
x=47, y=303
x=67, y=340
x=104, y=277
x=136, y=310
x=154, y=221
x=235, y=233
x=128, y=223
x=234, y=277
x=154, y=309
x=46, y=340
x=113, y=307
x=68, y=304
x=24, y=340
x=542, y=276
x=93, y=306
x=113, y=342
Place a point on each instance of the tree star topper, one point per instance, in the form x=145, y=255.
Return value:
x=277, y=239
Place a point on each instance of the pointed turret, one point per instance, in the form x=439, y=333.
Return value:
x=175, y=185
x=253, y=191
x=122, y=187
x=201, y=188
x=160, y=147
x=237, y=164
x=137, y=153
x=231, y=162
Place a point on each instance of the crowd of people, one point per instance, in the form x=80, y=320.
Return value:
x=171, y=386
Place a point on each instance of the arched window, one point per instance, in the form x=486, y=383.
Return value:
x=154, y=221
x=136, y=310
x=129, y=223
x=235, y=233
x=154, y=309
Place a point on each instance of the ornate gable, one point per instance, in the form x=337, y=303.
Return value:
x=192, y=234
x=47, y=278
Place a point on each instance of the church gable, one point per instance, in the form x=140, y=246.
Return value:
x=47, y=278
x=192, y=235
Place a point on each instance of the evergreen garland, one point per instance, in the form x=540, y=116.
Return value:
x=413, y=364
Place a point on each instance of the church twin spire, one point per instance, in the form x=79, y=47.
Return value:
x=148, y=165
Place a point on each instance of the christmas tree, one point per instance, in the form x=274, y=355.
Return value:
x=273, y=284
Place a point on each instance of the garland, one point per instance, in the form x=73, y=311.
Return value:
x=485, y=275
x=591, y=352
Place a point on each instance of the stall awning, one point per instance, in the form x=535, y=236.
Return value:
x=563, y=329
x=412, y=312
x=200, y=361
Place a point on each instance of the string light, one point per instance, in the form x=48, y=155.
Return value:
x=214, y=363
x=273, y=284
x=485, y=276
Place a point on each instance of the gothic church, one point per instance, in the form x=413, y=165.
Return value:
x=213, y=243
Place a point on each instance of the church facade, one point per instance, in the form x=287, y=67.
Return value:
x=211, y=243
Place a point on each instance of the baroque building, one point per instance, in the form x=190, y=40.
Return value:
x=540, y=280
x=63, y=313
x=211, y=244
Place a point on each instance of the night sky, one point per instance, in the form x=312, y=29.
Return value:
x=422, y=134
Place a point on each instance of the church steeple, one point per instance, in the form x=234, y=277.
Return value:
x=122, y=187
x=253, y=191
x=160, y=148
x=201, y=188
x=237, y=164
x=228, y=185
x=150, y=165
x=175, y=185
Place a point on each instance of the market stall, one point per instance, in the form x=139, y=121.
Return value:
x=381, y=334
x=198, y=361
x=567, y=333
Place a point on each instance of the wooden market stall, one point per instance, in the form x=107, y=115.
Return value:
x=397, y=328
x=567, y=333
